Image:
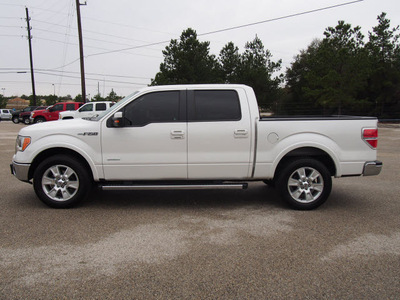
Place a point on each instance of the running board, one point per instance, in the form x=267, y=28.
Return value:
x=226, y=186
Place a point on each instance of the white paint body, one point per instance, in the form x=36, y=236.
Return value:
x=248, y=149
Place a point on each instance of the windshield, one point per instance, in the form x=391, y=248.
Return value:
x=120, y=103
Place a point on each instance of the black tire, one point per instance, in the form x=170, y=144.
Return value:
x=269, y=182
x=62, y=181
x=304, y=183
x=15, y=119
x=27, y=121
x=39, y=120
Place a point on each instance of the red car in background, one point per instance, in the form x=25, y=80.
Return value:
x=52, y=113
x=24, y=115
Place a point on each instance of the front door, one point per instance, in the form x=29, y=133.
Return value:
x=86, y=111
x=54, y=112
x=152, y=144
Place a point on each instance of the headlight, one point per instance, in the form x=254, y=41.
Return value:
x=22, y=143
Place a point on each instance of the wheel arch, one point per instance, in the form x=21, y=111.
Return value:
x=35, y=120
x=57, y=151
x=308, y=152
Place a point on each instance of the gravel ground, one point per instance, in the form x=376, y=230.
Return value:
x=203, y=244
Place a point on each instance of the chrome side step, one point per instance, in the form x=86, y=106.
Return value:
x=226, y=186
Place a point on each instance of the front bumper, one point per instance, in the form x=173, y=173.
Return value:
x=21, y=171
x=372, y=168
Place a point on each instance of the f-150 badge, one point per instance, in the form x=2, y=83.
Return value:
x=88, y=133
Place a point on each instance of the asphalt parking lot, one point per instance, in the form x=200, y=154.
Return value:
x=203, y=245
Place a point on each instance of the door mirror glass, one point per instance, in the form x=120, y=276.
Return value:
x=117, y=119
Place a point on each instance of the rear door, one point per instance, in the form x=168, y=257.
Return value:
x=219, y=134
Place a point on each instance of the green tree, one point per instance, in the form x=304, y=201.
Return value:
x=295, y=101
x=187, y=61
x=331, y=75
x=78, y=98
x=3, y=101
x=230, y=62
x=384, y=83
x=343, y=75
x=98, y=97
x=112, y=96
x=51, y=99
x=257, y=70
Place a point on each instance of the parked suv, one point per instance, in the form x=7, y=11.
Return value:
x=52, y=113
x=87, y=111
x=15, y=114
x=24, y=116
x=5, y=114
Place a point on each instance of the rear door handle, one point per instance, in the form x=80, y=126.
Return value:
x=241, y=133
x=177, y=134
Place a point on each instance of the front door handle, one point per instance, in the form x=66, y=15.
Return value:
x=177, y=134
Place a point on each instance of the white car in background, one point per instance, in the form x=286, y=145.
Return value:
x=87, y=111
x=5, y=114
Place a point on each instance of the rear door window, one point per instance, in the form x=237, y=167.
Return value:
x=101, y=106
x=215, y=105
x=71, y=106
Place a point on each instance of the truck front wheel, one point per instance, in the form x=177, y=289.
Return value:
x=39, y=120
x=61, y=181
x=304, y=183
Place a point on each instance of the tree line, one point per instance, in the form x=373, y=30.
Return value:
x=338, y=74
x=53, y=99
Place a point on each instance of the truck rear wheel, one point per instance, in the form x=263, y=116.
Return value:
x=15, y=119
x=61, y=181
x=304, y=183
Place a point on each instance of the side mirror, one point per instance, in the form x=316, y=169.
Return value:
x=117, y=119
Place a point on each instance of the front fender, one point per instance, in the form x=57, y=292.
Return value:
x=88, y=149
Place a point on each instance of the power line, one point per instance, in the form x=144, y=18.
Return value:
x=98, y=74
x=94, y=79
x=86, y=38
x=235, y=27
x=281, y=18
x=13, y=70
x=103, y=21
x=67, y=31
x=94, y=32
x=10, y=26
x=93, y=47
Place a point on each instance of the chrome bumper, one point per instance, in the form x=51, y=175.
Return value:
x=21, y=171
x=372, y=168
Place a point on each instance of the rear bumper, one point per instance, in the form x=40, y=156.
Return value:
x=21, y=171
x=372, y=168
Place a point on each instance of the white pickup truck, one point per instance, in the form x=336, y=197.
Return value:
x=86, y=111
x=194, y=137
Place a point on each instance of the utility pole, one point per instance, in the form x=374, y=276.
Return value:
x=78, y=14
x=30, y=55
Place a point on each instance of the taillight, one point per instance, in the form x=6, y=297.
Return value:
x=370, y=136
